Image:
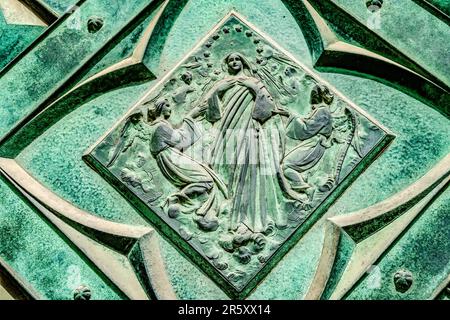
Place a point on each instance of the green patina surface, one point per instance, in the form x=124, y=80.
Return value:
x=38, y=254
x=442, y=5
x=278, y=25
x=122, y=50
x=423, y=251
x=422, y=38
x=62, y=147
x=59, y=56
x=277, y=73
x=413, y=152
x=59, y=6
x=422, y=137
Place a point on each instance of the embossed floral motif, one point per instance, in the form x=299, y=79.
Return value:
x=95, y=24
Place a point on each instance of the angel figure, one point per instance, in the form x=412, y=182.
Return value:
x=195, y=180
x=133, y=129
x=317, y=133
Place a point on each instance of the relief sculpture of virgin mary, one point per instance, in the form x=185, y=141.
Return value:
x=234, y=150
x=248, y=145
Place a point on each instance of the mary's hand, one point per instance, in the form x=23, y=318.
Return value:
x=197, y=112
x=282, y=112
x=250, y=83
x=225, y=84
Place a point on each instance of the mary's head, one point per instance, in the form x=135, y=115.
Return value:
x=236, y=63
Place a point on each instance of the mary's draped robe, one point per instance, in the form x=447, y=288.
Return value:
x=247, y=151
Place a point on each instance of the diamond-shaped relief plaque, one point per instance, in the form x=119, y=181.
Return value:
x=236, y=152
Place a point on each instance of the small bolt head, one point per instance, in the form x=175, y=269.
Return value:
x=95, y=24
x=374, y=5
x=82, y=293
x=403, y=280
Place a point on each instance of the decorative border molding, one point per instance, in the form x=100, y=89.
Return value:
x=391, y=219
x=141, y=250
x=15, y=287
x=40, y=9
x=373, y=58
x=129, y=256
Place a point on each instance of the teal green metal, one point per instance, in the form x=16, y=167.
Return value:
x=241, y=243
x=50, y=145
x=15, y=38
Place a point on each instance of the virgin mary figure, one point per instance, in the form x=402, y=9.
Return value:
x=248, y=146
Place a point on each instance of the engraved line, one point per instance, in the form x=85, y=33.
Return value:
x=66, y=209
x=442, y=286
x=41, y=10
x=338, y=56
x=14, y=285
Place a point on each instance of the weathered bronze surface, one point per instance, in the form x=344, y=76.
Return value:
x=214, y=149
x=235, y=149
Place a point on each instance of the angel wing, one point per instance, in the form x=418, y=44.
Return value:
x=128, y=134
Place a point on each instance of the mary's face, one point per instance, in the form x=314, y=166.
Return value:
x=235, y=62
